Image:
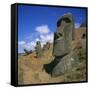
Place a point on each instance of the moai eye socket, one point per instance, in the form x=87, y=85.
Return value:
x=67, y=20
x=60, y=34
x=63, y=20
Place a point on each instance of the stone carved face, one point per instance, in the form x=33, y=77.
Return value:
x=63, y=35
x=38, y=49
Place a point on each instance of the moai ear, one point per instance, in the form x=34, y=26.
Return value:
x=67, y=20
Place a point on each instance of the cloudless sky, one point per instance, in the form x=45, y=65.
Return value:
x=29, y=17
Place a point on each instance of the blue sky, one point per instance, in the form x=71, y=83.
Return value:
x=36, y=23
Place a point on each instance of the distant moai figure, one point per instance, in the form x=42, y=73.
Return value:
x=46, y=46
x=63, y=35
x=38, y=49
x=62, y=51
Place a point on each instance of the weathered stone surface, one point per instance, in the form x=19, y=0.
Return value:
x=49, y=67
x=66, y=64
x=84, y=44
x=38, y=50
x=46, y=46
x=65, y=59
x=63, y=35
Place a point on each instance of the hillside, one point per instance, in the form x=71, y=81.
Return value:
x=31, y=71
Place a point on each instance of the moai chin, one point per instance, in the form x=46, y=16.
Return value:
x=38, y=49
x=63, y=35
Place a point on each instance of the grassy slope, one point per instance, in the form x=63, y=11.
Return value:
x=30, y=70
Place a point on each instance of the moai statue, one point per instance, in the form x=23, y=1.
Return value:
x=38, y=49
x=46, y=46
x=63, y=35
x=62, y=50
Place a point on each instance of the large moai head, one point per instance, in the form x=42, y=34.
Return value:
x=38, y=49
x=63, y=35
